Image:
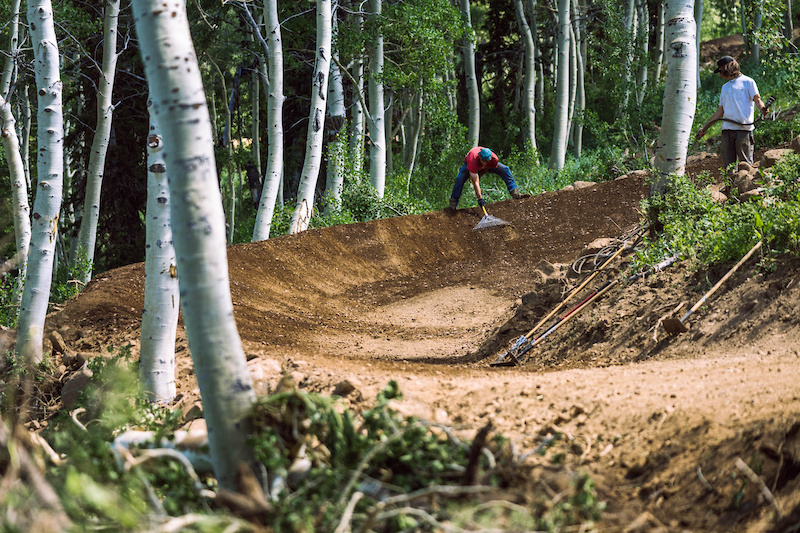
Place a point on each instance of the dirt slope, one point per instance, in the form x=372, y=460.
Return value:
x=657, y=420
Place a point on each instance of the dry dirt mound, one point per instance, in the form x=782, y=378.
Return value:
x=658, y=421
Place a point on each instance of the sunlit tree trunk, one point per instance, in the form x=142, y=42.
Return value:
x=659, y=51
x=680, y=94
x=377, y=129
x=304, y=209
x=758, y=16
x=580, y=92
x=643, y=38
x=698, y=20
x=530, y=75
x=9, y=65
x=558, y=150
x=87, y=236
x=198, y=226
x=629, y=23
x=274, y=83
x=337, y=116
x=474, y=107
x=50, y=171
x=161, y=296
x=19, y=191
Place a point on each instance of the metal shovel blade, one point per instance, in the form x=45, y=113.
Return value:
x=488, y=221
x=673, y=326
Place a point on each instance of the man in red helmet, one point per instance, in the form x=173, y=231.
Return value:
x=478, y=162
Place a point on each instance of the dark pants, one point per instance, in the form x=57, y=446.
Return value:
x=737, y=145
x=463, y=177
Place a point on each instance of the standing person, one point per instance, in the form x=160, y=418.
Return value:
x=478, y=162
x=736, y=102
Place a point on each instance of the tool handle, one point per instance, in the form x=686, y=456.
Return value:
x=717, y=285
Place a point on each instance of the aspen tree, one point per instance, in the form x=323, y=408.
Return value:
x=161, y=295
x=49, y=189
x=336, y=119
x=680, y=94
x=558, y=150
x=273, y=84
x=377, y=129
x=198, y=226
x=87, y=235
x=474, y=106
x=530, y=74
x=316, y=122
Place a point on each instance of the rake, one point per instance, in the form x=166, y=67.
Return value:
x=488, y=221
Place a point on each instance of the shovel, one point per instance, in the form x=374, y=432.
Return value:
x=488, y=221
x=673, y=325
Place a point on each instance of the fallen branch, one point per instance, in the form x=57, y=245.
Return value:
x=757, y=481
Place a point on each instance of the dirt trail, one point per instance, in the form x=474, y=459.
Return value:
x=657, y=421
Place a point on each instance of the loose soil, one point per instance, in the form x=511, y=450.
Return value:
x=657, y=420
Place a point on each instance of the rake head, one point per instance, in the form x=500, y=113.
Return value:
x=488, y=221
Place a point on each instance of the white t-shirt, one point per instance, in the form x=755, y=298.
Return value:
x=736, y=99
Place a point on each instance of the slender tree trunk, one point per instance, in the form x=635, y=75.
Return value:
x=274, y=83
x=337, y=115
x=558, y=150
x=19, y=192
x=680, y=94
x=474, y=125
x=580, y=94
x=316, y=122
x=629, y=23
x=198, y=224
x=87, y=235
x=530, y=75
x=357, y=111
x=377, y=133
x=161, y=295
x=698, y=19
x=50, y=171
x=757, y=20
x=643, y=17
x=659, y=52
x=9, y=65
x=788, y=27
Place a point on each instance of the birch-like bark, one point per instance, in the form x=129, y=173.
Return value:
x=530, y=75
x=580, y=90
x=10, y=66
x=474, y=107
x=643, y=38
x=26, y=115
x=304, y=209
x=377, y=133
x=273, y=82
x=87, y=235
x=680, y=94
x=629, y=23
x=50, y=171
x=19, y=192
x=161, y=296
x=758, y=17
x=558, y=151
x=698, y=19
x=659, y=51
x=198, y=226
x=337, y=115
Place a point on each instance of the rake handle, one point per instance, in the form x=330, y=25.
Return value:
x=724, y=278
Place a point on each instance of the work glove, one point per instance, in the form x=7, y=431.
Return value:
x=481, y=202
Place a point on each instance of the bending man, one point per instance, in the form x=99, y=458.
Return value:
x=478, y=162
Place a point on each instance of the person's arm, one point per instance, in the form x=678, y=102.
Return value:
x=718, y=114
x=760, y=105
x=473, y=176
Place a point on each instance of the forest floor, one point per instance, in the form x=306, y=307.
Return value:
x=657, y=420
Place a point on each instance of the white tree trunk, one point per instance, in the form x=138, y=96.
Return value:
x=337, y=115
x=50, y=171
x=358, y=117
x=680, y=94
x=13, y=47
x=198, y=225
x=530, y=74
x=474, y=125
x=659, y=52
x=316, y=122
x=377, y=133
x=558, y=151
x=580, y=91
x=161, y=296
x=643, y=37
x=87, y=235
x=273, y=82
x=757, y=21
x=698, y=19
x=19, y=191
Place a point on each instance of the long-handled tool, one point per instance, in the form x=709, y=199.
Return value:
x=488, y=221
x=514, y=356
x=673, y=325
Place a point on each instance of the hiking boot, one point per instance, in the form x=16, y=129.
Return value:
x=516, y=195
x=453, y=204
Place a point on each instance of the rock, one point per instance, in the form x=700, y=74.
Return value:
x=263, y=372
x=57, y=341
x=583, y=184
x=795, y=144
x=743, y=181
x=718, y=196
x=750, y=196
x=639, y=174
x=745, y=166
x=345, y=387
x=76, y=384
x=771, y=157
x=73, y=360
